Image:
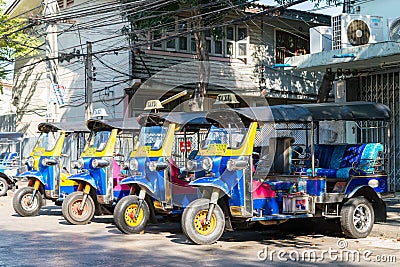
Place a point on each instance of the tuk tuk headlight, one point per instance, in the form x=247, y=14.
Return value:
x=191, y=165
x=157, y=166
x=236, y=164
x=81, y=163
x=49, y=162
x=133, y=164
x=30, y=162
x=100, y=163
x=207, y=164
x=153, y=166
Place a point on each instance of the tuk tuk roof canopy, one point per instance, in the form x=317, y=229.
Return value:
x=181, y=118
x=64, y=126
x=127, y=124
x=350, y=111
x=9, y=137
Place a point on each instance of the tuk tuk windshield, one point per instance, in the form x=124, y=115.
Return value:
x=152, y=136
x=233, y=138
x=47, y=141
x=98, y=140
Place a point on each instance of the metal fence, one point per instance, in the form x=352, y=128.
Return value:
x=383, y=87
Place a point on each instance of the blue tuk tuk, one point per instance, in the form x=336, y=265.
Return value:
x=267, y=165
x=52, y=159
x=99, y=187
x=158, y=185
x=10, y=160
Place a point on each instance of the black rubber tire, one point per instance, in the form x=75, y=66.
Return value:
x=20, y=202
x=70, y=209
x=123, y=210
x=3, y=187
x=352, y=221
x=188, y=222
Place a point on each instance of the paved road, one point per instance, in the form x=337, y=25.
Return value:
x=48, y=240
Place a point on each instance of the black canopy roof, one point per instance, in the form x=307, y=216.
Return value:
x=127, y=124
x=181, y=118
x=11, y=137
x=351, y=111
x=65, y=126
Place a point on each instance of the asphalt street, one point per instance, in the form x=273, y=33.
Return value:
x=48, y=240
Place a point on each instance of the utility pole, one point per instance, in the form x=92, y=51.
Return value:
x=89, y=79
x=50, y=8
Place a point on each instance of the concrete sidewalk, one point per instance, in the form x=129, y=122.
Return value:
x=391, y=228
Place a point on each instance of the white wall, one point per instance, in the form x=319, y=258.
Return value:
x=34, y=85
x=385, y=8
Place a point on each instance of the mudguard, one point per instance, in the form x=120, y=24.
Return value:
x=139, y=180
x=377, y=203
x=212, y=182
x=83, y=176
x=33, y=174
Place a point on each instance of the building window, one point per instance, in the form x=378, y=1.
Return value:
x=288, y=45
x=242, y=42
x=229, y=41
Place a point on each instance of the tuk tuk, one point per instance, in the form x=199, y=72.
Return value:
x=51, y=161
x=10, y=160
x=99, y=186
x=157, y=184
x=267, y=165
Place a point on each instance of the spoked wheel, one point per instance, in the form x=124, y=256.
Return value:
x=23, y=203
x=3, y=187
x=357, y=218
x=72, y=212
x=125, y=215
x=195, y=225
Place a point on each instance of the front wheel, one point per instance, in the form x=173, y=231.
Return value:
x=3, y=187
x=357, y=218
x=23, y=203
x=124, y=215
x=194, y=224
x=72, y=212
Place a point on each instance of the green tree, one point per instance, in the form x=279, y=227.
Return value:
x=15, y=41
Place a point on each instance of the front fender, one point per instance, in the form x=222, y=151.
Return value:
x=215, y=182
x=377, y=203
x=85, y=177
x=33, y=174
x=139, y=180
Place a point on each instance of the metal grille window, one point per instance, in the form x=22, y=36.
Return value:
x=384, y=87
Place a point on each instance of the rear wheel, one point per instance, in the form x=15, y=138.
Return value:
x=194, y=224
x=23, y=203
x=71, y=211
x=3, y=187
x=124, y=215
x=357, y=218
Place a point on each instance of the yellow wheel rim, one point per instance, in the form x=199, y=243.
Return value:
x=130, y=215
x=200, y=223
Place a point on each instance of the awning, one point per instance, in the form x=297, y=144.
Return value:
x=361, y=58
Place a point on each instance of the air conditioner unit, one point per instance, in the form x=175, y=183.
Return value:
x=320, y=39
x=394, y=29
x=353, y=30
